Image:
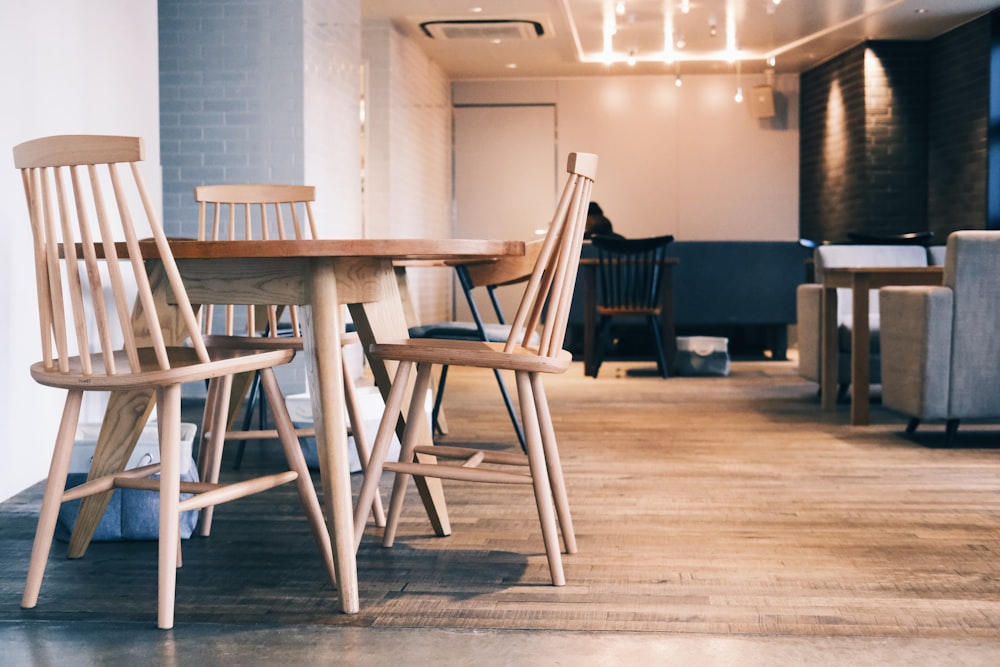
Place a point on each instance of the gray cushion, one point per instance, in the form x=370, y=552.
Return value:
x=495, y=333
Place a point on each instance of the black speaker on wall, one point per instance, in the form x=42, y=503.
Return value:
x=762, y=101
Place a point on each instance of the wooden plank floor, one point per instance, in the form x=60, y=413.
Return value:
x=702, y=505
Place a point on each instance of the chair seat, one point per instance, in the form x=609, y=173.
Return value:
x=269, y=342
x=474, y=353
x=495, y=333
x=184, y=362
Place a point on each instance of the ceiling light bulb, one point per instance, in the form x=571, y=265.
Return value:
x=631, y=58
x=677, y=81
x=739, y=94
x=620, y=8
x=680, y=42
x=685, y=6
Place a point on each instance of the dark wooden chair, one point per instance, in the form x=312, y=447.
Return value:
x=630, y=275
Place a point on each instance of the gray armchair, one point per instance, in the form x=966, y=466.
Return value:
x=944, y=360
x=809, y=306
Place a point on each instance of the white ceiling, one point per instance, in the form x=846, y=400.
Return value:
x=798, y=34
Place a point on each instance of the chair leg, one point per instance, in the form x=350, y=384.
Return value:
x=438, y=399
x=511, y=411
x=210, y=460
x=360, y=441
x=297, y=463
x=415, y=420
x=383, y=438
x=603, y=338
x=51, y=501
x=539, y=478
x=912, y=425
x=554, y=465
x=168, y=414
x=661, y=357
x=252, y=404
x=950, y=430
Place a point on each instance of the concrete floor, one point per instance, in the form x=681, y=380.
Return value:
x=49, y=643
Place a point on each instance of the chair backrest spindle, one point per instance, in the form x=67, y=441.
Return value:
x=550, y=287
x=66, y=179
x=266, y=210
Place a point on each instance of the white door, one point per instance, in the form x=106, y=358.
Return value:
x=505, y=181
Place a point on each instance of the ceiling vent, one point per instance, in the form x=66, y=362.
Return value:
x=506, y=29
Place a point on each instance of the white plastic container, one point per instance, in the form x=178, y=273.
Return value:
x=702, y=355
x=147, y=449
x=131, y=514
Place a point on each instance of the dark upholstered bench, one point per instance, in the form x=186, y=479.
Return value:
x=725, y=288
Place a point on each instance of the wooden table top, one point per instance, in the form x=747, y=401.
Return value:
x=397, y=249
x=883, y=275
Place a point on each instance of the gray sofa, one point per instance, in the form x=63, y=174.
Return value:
x=943, y=361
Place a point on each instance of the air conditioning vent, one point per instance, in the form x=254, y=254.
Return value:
x=507, y=29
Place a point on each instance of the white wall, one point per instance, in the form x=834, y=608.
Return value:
x=686, y=161
x=69, y=67
x=408, y=160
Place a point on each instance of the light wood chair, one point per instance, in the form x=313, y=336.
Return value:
x=548, y=290
x=262, y=212
x=84, y=193
x=489, y=276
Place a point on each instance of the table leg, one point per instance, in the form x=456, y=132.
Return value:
x=384, y=320
x=321, y=339
x=589, y=318
x=860, y=351
x=829, y=349
x=667, y=329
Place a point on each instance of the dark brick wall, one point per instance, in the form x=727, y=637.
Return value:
x=894, y=138
x=831, y=146
x=896, y=96
x=959, y=76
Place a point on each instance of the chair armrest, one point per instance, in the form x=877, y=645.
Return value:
x=916, y=333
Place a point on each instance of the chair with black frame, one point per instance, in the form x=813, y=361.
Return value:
x=489, y=275
x=630, y=283
x=550, y=288
x=247, y=212
x=84, y=194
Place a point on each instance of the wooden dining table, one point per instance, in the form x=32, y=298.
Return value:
x=321, y=276
x=859, y=280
